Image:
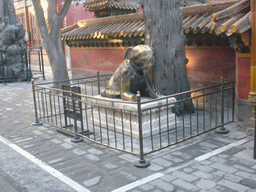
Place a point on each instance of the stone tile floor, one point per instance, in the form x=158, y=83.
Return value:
x=42, y=159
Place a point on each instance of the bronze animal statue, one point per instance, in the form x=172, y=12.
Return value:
x=133, y=75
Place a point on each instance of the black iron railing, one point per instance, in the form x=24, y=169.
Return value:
x=141, y=127
x=36, y=60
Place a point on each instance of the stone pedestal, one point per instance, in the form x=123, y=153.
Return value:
x=122, y=117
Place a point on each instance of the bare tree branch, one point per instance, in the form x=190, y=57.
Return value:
x=52, y=38
x=40, y=17
x=65, y=9
x=52, y=14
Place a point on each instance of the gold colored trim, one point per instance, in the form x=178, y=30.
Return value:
x=245, y=39
x=243, y=54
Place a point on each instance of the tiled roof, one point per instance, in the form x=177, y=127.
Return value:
x=216, y=18
x=220, y=18
x=107, y=27
x=95, y=5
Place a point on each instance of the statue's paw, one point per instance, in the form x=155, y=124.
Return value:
x=104, y=93
x=110, y=94
x=128, y=96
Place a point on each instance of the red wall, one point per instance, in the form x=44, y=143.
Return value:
x=76, y=13
x=100, y=59
x=243, y=75
x=206, y=65
x=210, y=64
x=203, y=65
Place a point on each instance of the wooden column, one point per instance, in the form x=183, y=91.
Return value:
x=27, y=24
x=252, y=95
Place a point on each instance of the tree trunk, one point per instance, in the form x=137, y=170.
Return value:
x=57, y=61
x=9, y=11
x=164, y=33
x=1, y=10
x=51, y=36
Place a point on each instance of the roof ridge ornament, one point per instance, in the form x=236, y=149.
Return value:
x=103, y=8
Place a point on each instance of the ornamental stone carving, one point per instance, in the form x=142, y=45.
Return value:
x=12, y=44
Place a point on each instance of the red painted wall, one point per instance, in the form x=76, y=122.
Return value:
x=210, y=64
x=76, y=13
x=99, y=60
x=243, y=76
x=203, y=65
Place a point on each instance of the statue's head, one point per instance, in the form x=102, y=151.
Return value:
x=140, y=55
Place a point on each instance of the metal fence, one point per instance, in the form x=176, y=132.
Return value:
x=142, y=127
x=36, y=61
x=14, y=67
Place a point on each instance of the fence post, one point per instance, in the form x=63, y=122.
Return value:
x=37, y=122
x=142, y=163
x=27, y=65
x=2, y=63
x=77, y=138
x=222, y=130
x=42, y=60
x=29, y=56
x=98, y=78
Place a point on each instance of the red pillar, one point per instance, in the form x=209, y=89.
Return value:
x=27, y=23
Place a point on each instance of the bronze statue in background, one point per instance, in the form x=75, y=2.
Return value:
x=133, y=75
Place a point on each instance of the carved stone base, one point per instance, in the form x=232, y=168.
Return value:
x=250, y=132
x=251, y=129
x=122, y=120
x=18, y=71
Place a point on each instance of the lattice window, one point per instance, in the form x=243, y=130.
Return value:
x=21, y=19
x=35, y=33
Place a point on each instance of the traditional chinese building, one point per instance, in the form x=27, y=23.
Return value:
x=25, y=15
x=218, y=39
x=99, y=31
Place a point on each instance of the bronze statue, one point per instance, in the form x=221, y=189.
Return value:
x=133, y=75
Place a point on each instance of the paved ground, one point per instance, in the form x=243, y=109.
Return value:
x=42, y=159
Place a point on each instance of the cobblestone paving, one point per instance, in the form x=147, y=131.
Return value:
x=99, y=168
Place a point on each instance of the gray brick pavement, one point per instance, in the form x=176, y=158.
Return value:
x=8, y=184
x=99, y=168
